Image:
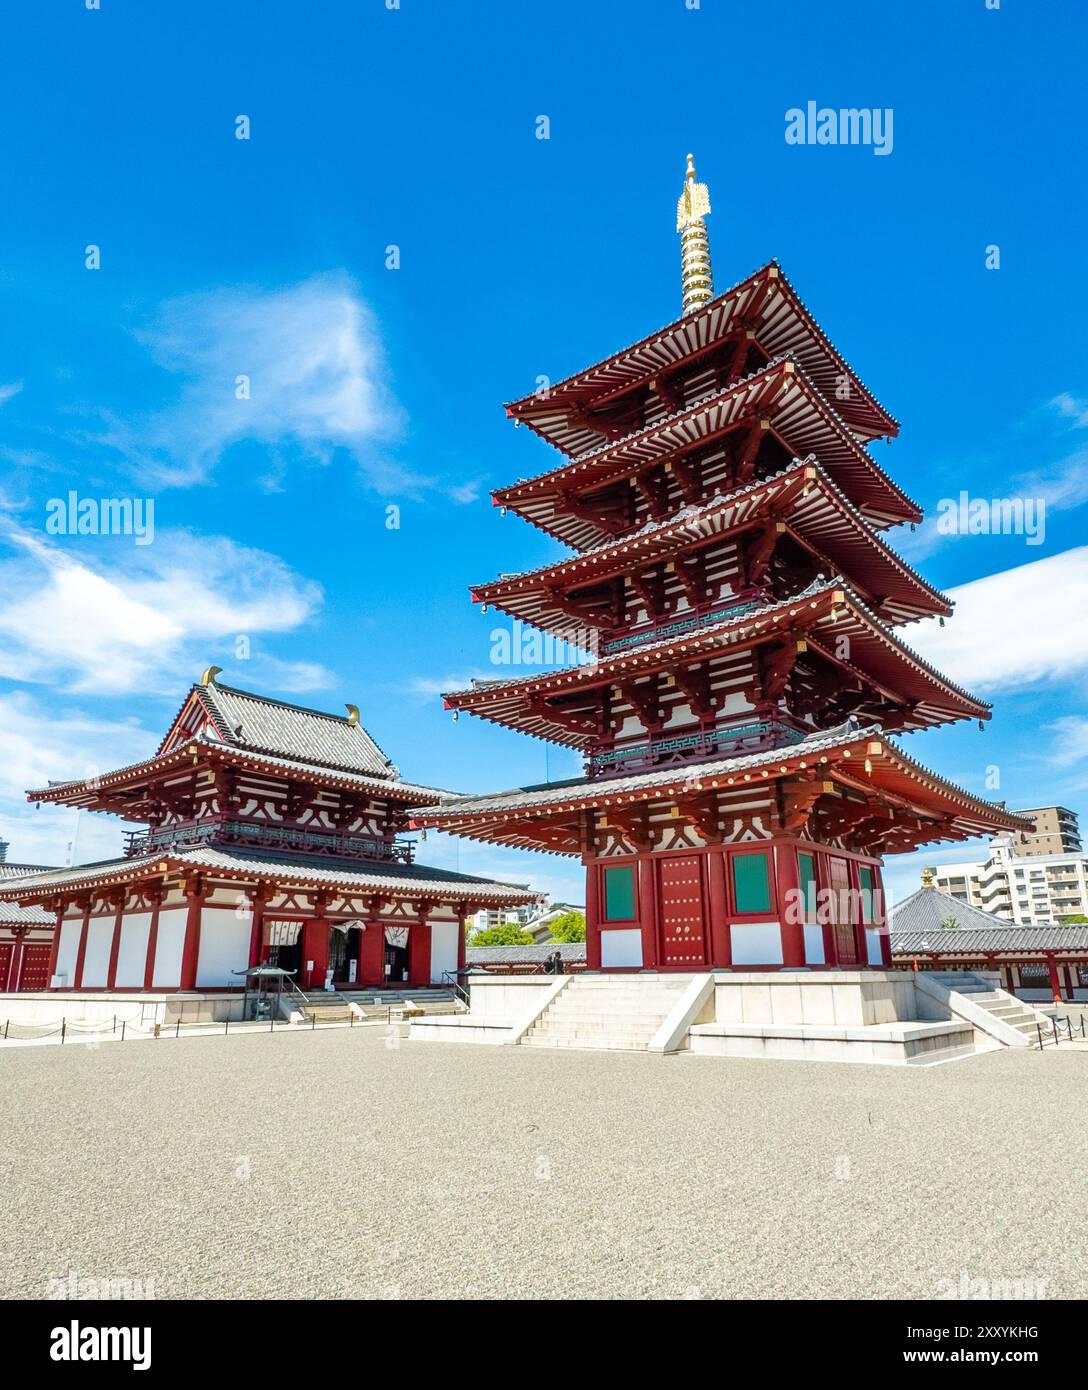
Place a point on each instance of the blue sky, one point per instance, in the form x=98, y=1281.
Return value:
x=374, y=387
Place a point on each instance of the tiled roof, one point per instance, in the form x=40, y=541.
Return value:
x=1004, y=940
x=548, y=792
x=381, y=786
x=691, y=330
x=11, y=914
x=930, y=910
x=318, y=870
x=748, y=617
x=292, y=731
x=569, y=951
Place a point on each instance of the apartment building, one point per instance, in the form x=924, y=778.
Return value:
x=1056, y=832
x=1026, y=882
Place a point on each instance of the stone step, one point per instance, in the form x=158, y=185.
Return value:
x=592, y=1030
x=940, y=1054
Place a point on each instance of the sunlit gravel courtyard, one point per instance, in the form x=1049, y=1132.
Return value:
x=346, y=1164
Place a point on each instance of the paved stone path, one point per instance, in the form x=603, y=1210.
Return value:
x=337, y=1165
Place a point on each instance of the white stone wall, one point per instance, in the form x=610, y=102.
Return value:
x=132, y=955
x=224, y=946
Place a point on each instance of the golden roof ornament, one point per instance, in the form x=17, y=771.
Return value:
x=696, y=276
x=927, y=877
x=209, y=674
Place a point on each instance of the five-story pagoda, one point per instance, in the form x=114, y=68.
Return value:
x=743, y=611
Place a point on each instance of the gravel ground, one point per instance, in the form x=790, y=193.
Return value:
x=345, y=1164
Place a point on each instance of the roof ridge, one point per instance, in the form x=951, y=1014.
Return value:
x=273, y=700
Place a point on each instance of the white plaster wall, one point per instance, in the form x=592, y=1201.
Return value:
x=96, y=961
x=132, y=957
x=443, y=950
x=224, y=946
x=69, y=948
x=756, y=943
x=621, y=948
x=168, y=948
x=814, y=944
x=506, y=996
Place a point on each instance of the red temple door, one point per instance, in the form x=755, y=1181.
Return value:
x=681, y=913
x=34, y=971
x=7, y=950
x=842, y=927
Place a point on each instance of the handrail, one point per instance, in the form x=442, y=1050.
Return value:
x=450, y=978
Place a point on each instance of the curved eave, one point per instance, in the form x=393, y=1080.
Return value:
x=85, y=793
x=823, y=614
x=787, y=322
x=151, y=868
x=805, y=420
x=865, y=761
x=836, y=524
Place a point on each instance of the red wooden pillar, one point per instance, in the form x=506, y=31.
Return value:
x=153, y=939
x=419, y=952
x=791, y=913
x=115, y=944
x=1055, y=983
x=77, y=973
x=647, y=910
x=721, y=949
x=54, y=951
x=315, y=948
x=462, y=945
x=190, y=951
x=372, y=955
x=18, y=950
x=593, y=926
x=256, y=935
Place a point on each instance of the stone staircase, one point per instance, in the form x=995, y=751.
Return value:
x=375, y=1003
x=998, y=1003
x=607, y=1011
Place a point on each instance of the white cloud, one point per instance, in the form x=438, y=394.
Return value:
x=141, y=617
x=11, y=389
x=430, y=687
x=1071, y=408
x=1071, y=742
x=1018, y=628
x=44, y=743
x=316, y=372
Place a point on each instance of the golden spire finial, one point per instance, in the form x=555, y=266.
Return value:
x=927, y=877
x=697, y=279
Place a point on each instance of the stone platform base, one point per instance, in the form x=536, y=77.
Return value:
x=892, y=1017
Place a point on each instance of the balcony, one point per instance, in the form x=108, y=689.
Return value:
x=663, y=750
x=250, y=835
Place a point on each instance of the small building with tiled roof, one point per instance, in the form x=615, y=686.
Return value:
x=26, y=936
x=271, y=834
x=527, y=960
x=932, y=930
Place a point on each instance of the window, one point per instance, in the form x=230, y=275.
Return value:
x=619, y=894
x=751, y=883
x=865, y=884
x=806, y=879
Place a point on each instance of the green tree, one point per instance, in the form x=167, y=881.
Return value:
x=571, y=926
x=509, y=934
x=1075, y=919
